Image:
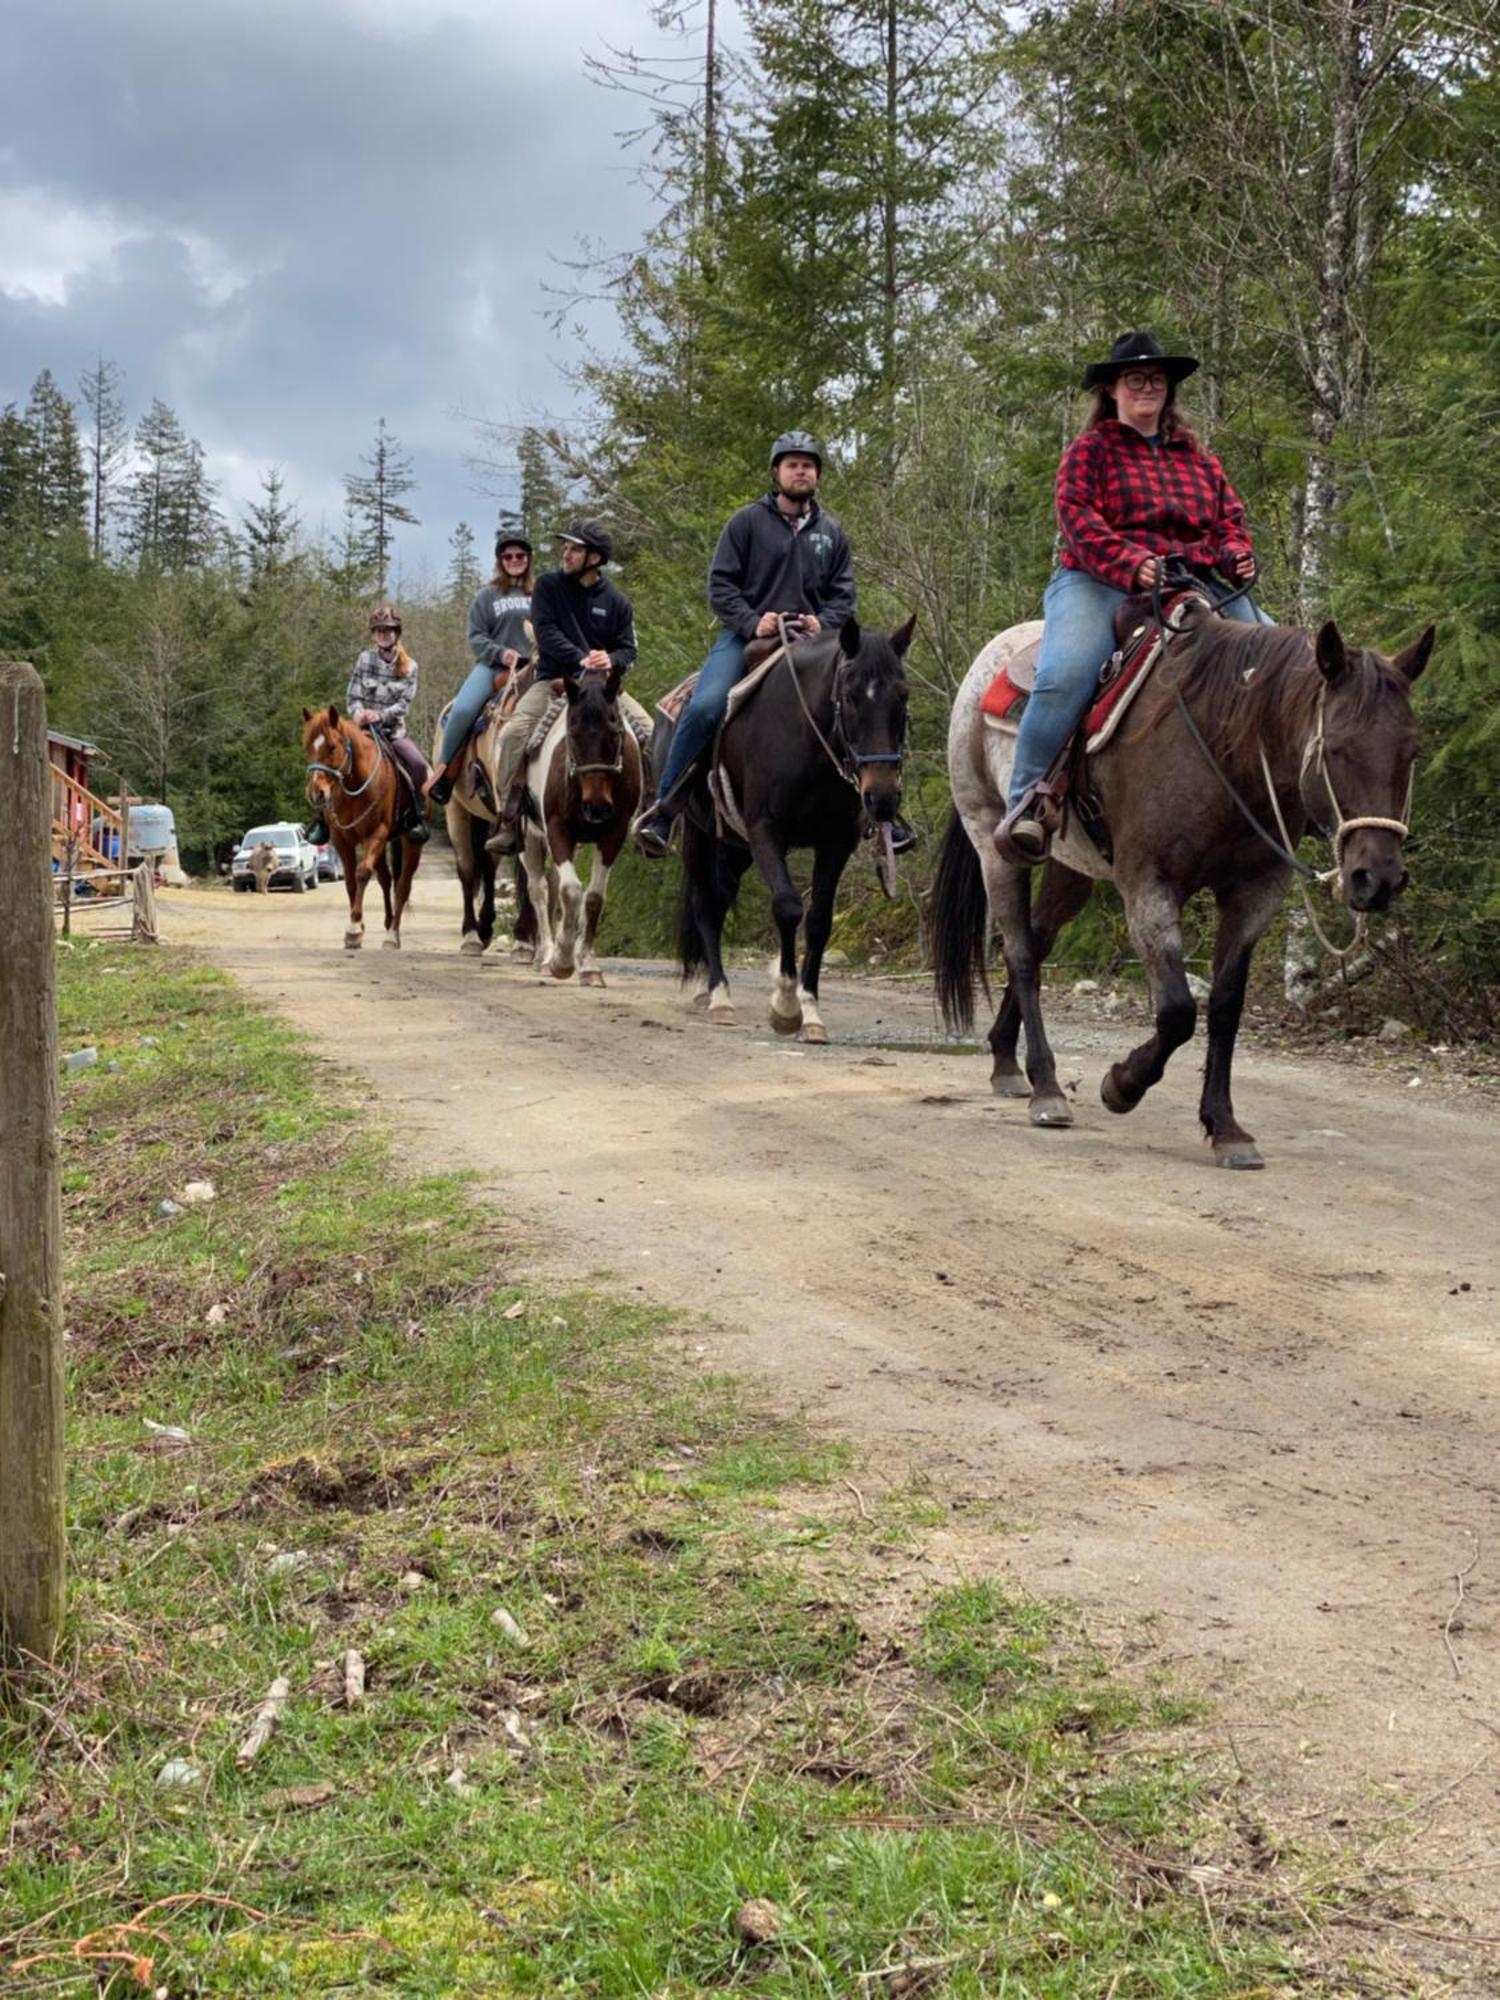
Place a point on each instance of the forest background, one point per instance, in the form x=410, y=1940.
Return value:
x=904, y=225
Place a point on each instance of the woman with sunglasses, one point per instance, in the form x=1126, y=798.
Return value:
x=1134, y=487
x=381, y=687
x=500, y=638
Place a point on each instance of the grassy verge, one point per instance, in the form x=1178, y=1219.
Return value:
x=637, y=1657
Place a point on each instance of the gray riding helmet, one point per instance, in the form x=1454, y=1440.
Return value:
x=799, y=441
x=590, y=535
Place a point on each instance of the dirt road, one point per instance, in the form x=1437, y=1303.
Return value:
x=1261, y=1408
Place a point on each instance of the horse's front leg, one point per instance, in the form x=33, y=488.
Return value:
x=357, y=872
x=539, y=898
x=1153, y=910
x=410, y=861
x=1061, y=894
x=460, y=827
x=570, y=914
x=829, y=862
x=1009, y=892
x=786, y=908
x=590, y=972
x=391, y=940
x=1243, y=916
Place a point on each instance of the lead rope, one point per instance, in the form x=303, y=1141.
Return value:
x=791, y=666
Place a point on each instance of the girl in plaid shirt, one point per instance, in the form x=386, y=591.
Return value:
x=1133, y=488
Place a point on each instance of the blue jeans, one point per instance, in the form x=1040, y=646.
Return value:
x=464, y=713
x=1078, y=638
x=724, y=666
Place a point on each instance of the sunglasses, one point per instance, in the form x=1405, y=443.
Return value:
x=513, y=555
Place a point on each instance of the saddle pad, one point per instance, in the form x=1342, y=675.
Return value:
x=742, y=690
x=676, y=699
x=1120, y=680
x=1015, y=679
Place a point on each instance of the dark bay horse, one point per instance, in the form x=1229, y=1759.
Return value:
x=584, y=785
x=1313, y=730
x=811, y=757
x=353, y=782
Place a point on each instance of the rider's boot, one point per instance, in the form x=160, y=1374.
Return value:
x=1021, y=837
x=506, y=839
x=439, y=787
x=415, y=826
x=317, y=831
x=652, y=830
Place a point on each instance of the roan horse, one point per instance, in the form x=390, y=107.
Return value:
x=1241, y=729
x=584, y=785
x=470, y=822
x=812, y=757
x=353, y=782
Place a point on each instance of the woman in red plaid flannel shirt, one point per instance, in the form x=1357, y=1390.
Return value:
x=1134, y=487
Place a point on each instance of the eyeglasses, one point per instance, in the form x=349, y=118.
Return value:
x=1140, y=383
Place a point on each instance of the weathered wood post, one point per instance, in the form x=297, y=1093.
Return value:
x=31, y=1376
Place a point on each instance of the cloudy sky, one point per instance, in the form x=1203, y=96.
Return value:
x=288, y=218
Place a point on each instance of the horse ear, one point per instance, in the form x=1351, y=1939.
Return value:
x=307, y=715
x=1332, y=658
x=902, y=639
x=1410, y=663
x=849, y=638
x=333, y=714
x=612, y=683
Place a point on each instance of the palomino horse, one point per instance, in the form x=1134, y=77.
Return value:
x=584, y=785
x=353, y=782
x=470, y=820
x=808, y=761
x=1240, y=730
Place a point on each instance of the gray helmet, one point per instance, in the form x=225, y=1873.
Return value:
x=590, y=535
x=509, y=537
x=800, y=441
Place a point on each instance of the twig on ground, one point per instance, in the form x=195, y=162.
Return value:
x=1458, y=1578
x=859, y=1498
x=266, y=1718
x=354, y=1679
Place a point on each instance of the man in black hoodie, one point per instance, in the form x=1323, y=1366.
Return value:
x=782, y=556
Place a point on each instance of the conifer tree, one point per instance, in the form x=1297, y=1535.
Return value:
x=464, y=576
x=106, y=441
x=270, y=530
x=377, y=498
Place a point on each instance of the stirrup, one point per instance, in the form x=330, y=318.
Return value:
x=442, y=788
x=652, y=830
x=1021, y=838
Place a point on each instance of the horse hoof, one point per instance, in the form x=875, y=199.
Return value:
x=1241, y=1154
x=390, y=944
x=560, y=971
x=1051, y=1113
x=784, y=1024
x=353, y=940
x=698, y=1002
x=1112, y=1097
x=1012, y=1085
x=522, y=954
x=593, y=977
x=814, y=1033
x=471, y=947
x=723, y=1017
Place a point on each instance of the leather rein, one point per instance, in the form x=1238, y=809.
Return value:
x=340, y=772
x=853, y=760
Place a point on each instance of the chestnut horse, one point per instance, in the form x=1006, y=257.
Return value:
x=353, y=782
x=1243, y=737
x=583, y=787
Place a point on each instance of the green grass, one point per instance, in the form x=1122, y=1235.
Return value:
x=728, y=1692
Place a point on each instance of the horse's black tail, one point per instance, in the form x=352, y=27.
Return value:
x=960, y=927
x=690, y=950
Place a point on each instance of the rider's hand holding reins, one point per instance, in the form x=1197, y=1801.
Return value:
x=597, y=662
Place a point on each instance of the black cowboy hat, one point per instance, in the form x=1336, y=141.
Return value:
x=1138, y=349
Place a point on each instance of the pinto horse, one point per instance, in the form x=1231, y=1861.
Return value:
x=583, y=788
x=353, y=782
x=1243, y=737
x=470, y=822
x=811, y=759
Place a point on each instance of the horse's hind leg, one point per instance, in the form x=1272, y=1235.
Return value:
x=1009, y=891
x=1061, y=895
x=460, y=827
x=1153, y=910
x=410, y=862
x=829, y=863
x=1243, y=916
x=391, y=940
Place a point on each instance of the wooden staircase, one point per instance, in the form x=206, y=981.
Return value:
x=96, y=849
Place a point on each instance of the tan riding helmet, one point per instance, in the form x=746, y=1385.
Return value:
x=385, y=614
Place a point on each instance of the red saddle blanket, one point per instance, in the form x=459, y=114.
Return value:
x=1120, y=674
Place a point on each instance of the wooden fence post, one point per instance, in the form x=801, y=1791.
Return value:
x=31, y=1375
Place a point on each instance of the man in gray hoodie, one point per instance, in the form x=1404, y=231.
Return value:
x=783, y=556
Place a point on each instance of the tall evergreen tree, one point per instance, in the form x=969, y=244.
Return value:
x=464, y=576
x=106, y=441
x=377, y=497
x=270, y=530
x=55, y=486
x=171, y=520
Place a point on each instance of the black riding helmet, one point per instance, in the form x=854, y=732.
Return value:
x=511, y=538
x=590, y=535
x=798, y=441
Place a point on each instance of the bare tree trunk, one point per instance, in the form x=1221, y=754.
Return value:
x=1331, y=333
x=31, y=1375
x=889, y=226
x=711, y=117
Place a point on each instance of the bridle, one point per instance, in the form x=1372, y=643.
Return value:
x=340, y=772
x=853, y=760
x=577, y=770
